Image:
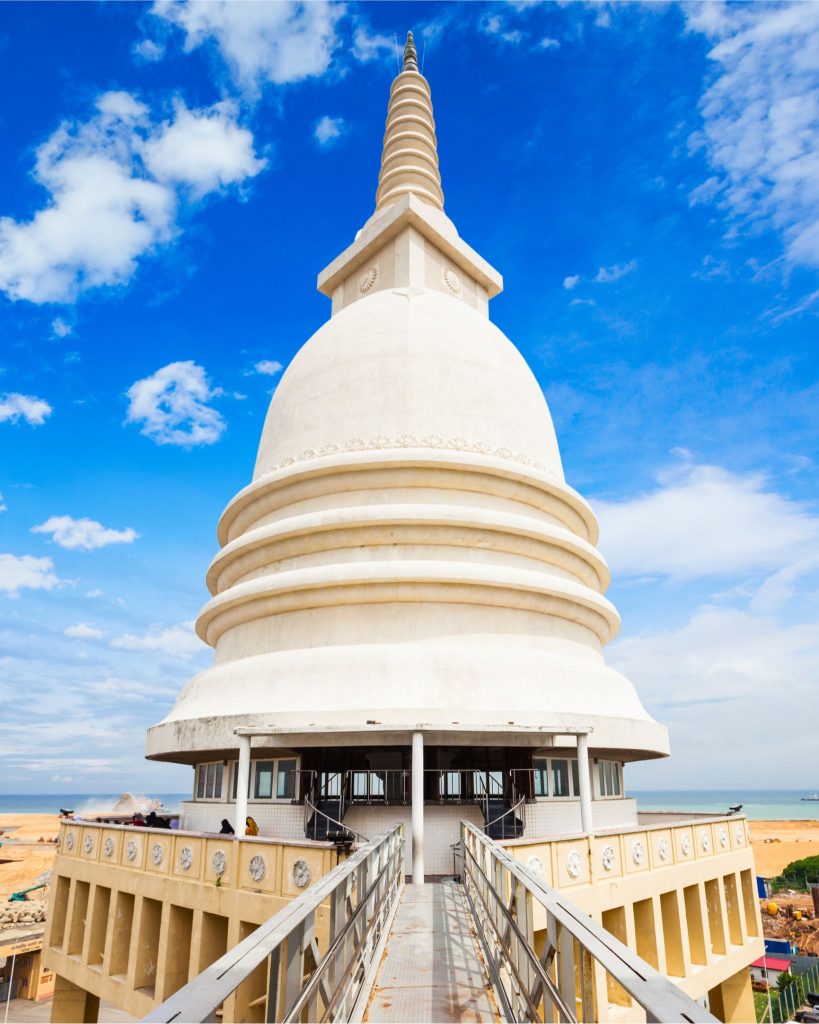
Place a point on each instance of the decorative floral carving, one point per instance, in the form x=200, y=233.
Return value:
x=452, y=281
x=638, y=852
x=301, y=873
x=573, y=864
x=132, y=849
x=88, y=844
x=380, y=443
x=257, y=867
x=109, y=846
x=535, y=865
x=607, y=857
x=219, y=862
x=723, y=836
x=69, y=841
x=663, y=849
x=157, y=853
x=685, y=845
x=368, y=279
x=186, y=858
x=705, y=841
x=739, y=832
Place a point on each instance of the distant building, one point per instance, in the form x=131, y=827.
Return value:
x=768, y=969
x=407, y=588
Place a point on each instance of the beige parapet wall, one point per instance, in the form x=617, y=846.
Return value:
x=135, y=913
x=683, y=897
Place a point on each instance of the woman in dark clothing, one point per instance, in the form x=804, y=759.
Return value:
x=226, y=829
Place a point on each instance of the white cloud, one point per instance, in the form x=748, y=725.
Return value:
x=179, y=641
x=494, y=25
x=59, y=328
x=84, y=632
x=369, y=46
x=713, y=678
x=3, y=506
x=571, y=282
x=204, y=149
x=112, y=183
x=547, y=43
x=605, y=275
x=14, y=406
x=171, y=405
x=761, y=118
x=148, y=50
x=328, y=129
x=85, y=534
x=704, y=521
x=96, y=592
x=268, y=367
x=260, y=42
x=26, y=572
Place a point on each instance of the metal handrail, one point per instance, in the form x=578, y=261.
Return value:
x=302, y=982
x=578, y=957
x=309, y=805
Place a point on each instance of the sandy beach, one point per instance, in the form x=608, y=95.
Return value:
x=778, y=843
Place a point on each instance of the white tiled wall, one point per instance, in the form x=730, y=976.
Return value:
x=441, y=830
x=560, y=817
x=282, y=820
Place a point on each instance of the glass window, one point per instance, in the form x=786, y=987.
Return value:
x=286, y=780
x=615, y=770
x=264, y=780
x=609, y=783
x=200, y=782
x=575, y=778
x=541, y=772
x=210, y=781
x=560, y=777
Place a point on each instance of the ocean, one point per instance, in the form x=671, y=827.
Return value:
x=47, y=803
x=757, y=804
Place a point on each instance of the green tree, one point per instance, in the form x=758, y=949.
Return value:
x=795, y=875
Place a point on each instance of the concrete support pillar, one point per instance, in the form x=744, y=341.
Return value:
x=417, y=808
x=72, y=1004
x=584, y=777
x=242, y=784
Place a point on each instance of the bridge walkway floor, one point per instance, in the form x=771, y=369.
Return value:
x=431, y=969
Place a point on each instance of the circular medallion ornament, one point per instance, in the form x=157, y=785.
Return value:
x=131, y=850
x=663, y=849
x=157, y=853
x=723, y=837
x=607, y=857
x=257, y=867
x=69, y=841
x=739, y=832
x=108, y=847
x=638, y=852
x=685, y=846
x=535, y=865
x=186, y=858
x=301, y=873
x=574, y=864
x=705, y=841
x=88, y=844
x=219, y=862
x=367, y=279
x=452, y=281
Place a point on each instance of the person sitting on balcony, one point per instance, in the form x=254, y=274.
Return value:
x=252, y=828
x=226, y=829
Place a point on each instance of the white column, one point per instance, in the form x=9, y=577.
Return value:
x=417, y=808
x=242, y=784
x=584, y=776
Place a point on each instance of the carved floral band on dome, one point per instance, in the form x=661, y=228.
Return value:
x=405, y=441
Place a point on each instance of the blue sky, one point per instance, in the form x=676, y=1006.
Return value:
x=174, y=176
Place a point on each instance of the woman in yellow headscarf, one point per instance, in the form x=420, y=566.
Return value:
x=252, y=828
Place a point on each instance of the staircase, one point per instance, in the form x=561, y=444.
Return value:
x=325, y=822
x=501, y=821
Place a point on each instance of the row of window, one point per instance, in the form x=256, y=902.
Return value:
x=269, y=780
x=558, y=777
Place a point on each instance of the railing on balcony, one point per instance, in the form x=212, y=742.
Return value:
x=304, y=981
x=570, y=977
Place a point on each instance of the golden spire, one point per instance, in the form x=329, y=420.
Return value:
x=409, y=162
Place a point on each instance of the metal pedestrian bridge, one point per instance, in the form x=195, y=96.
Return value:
x=360, y=945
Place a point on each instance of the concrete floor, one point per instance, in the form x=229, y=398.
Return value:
x=24, y=1011
x=431, y=969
